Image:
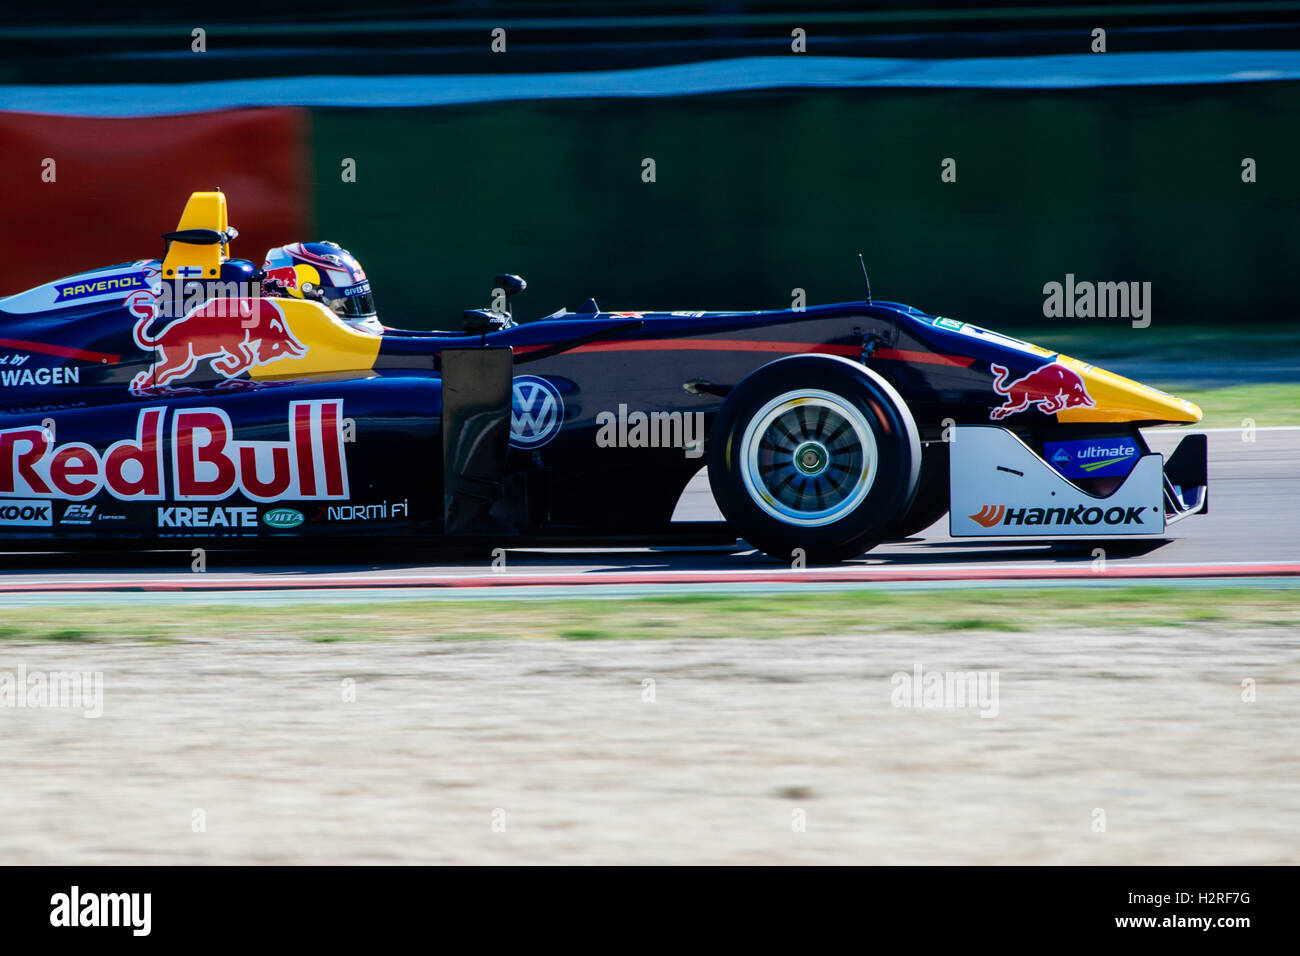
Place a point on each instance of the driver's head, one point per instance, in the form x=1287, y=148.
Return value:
x=327, y=273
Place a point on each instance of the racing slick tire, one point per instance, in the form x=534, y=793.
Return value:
x=931, y=501
x=813, y=452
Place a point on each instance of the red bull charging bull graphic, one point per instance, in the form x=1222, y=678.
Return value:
x=1052, y=387
x=285, y=276
x=235, y=334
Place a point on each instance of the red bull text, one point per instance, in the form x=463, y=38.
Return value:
x=207, y=462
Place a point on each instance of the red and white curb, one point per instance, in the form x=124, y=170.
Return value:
x=596, y=580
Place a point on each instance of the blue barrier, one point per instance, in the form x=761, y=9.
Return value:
x=717, y=76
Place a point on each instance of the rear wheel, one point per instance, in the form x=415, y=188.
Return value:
x=813, y=453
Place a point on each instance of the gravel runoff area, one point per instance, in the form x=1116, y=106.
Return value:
x=1140, y=746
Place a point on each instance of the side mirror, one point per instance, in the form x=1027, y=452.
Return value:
x=510, y=284
x=482, y=321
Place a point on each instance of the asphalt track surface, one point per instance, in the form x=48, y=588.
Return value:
x=1251, y=532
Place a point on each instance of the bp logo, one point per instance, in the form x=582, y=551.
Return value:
x=283, y=518
x=536, y=412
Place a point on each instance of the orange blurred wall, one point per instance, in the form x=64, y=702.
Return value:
x=120, y=183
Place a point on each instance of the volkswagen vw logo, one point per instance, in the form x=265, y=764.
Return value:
x=536, y=412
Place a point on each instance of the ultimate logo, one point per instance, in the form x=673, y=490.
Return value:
x=1092, y=458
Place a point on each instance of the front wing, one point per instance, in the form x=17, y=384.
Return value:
x=1001, y=487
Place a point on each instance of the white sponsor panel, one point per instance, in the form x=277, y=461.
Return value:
x=100, y=285
x=1001, y=488
x=25, y=514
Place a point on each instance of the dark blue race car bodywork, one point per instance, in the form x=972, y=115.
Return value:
x=574, y=427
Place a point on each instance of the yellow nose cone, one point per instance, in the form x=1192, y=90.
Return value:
x=1120, y=399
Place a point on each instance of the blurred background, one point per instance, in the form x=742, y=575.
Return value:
x=772, y=168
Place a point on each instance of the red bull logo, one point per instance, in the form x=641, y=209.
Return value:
x=207, y=461
x=286, y=276
x=1051, y=387
x=236, y=334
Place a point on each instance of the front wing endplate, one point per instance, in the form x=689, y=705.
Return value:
x=1000, y=488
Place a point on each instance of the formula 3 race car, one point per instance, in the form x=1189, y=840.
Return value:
x=169, y=399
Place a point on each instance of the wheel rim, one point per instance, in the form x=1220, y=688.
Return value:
x=808, y=457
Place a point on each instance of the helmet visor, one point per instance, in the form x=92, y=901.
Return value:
x=353, y=306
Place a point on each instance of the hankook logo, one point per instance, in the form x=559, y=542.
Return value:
x=28, y=514
x=990, y=515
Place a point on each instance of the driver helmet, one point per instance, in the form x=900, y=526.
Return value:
x=326, y=272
